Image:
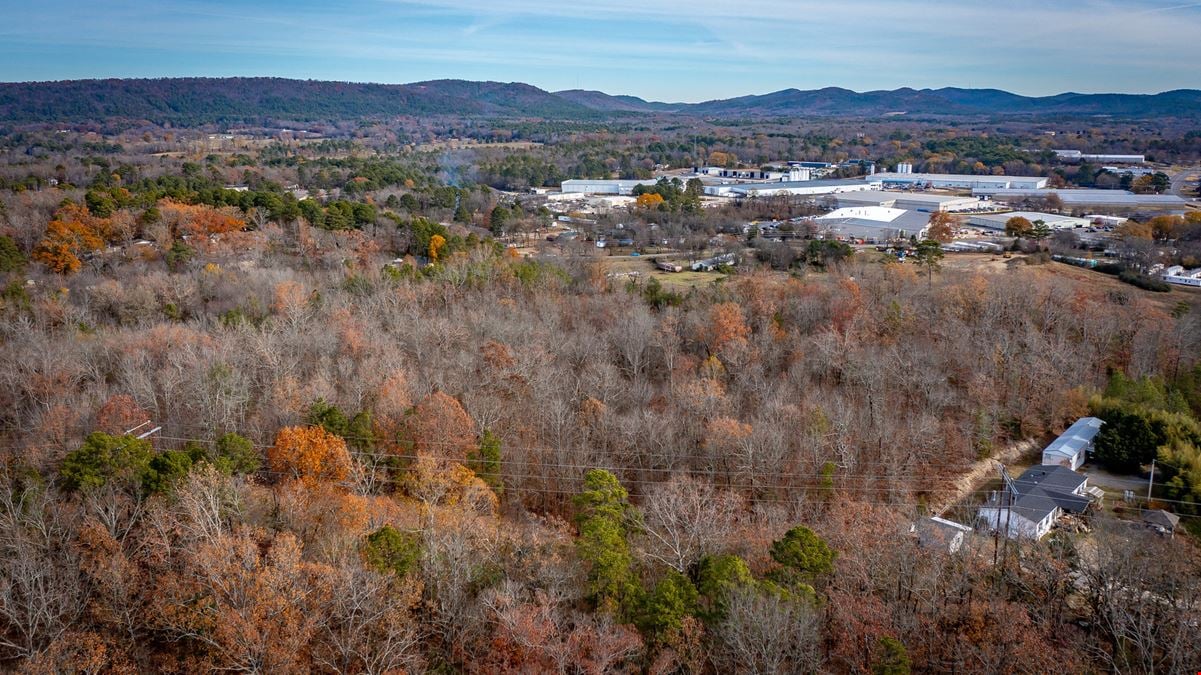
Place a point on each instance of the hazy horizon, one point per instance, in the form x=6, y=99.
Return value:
x=647, y=49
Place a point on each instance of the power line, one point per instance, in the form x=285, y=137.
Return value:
x=839, y=481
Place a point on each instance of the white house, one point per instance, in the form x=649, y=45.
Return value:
x=1031, y=504
x=1072, y=447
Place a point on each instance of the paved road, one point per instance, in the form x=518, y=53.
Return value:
x=1180, y=181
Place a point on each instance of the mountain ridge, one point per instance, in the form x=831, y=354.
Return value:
x=215, y=100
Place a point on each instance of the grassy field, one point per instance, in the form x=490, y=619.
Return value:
x=646, y=269
x=955, y=262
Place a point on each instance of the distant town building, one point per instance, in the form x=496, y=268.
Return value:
x=996, y=221
x=1180, y=276
x=590, y=186
x=909, y=201
x=1088, y=199
x=872, y=224
x=957, y=181
x=802, y=188
x=1078, y=156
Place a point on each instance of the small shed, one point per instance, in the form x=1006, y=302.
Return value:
x=940, y=533
x=1162, y=521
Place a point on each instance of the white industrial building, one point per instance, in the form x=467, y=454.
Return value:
x=996, y=221
x=908, y=201
x=1081, y=199
x=793, y=173
x=603, y=186
x=807, y=187
x=1078, y=156
x=872, y=224
x=1178, y=275
x=957, y=181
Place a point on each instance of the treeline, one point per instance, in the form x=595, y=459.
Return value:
x=1149, y=419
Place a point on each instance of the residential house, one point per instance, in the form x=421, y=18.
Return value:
x=1072, y=447
x=1031, y=504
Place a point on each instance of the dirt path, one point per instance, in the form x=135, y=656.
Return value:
x=981, y=472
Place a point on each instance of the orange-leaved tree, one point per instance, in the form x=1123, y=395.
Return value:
x=649, y=200
x=726, y=326
x=437, y=243
x=942, y=227
x=309, y=454
x=440, y=426
x=199, y=219
x=73, y=233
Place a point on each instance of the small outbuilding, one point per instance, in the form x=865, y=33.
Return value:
x=1072, y=447
x=1163, y=521
x=940, y=533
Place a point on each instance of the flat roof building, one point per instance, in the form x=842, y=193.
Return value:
x=590, y=186
x=909, y=201
x=996, y=221
x=807, y=187
x=873, y=224
x=1114, y=199
x=957, y=181
x=1078, y=156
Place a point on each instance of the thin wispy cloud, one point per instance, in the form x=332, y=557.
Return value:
x=655, y=49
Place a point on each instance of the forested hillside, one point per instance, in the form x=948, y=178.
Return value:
x=274, y=405
x=190, y=101
x=362, y=472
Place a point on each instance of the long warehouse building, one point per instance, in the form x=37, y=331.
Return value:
x=602, y=186
x=908, y=201
x=1091, y=199
x=801, y=188
x=957, y=181
x=996, y=221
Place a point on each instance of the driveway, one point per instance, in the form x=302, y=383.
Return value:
x=1113, y=482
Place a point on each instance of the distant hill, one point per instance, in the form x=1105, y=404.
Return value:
x=951, y=101
x=223, y=100
x=599, y=100
x=200, y=100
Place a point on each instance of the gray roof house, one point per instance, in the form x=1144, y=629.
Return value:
x=1072, y=447
x=1032, y=502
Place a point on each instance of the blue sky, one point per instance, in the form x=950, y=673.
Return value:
x=677, y=51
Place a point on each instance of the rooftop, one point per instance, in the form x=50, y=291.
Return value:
x=1076, y=438
x=784, y=184
x=935, y=531
x=1101, y=197
x=1051, y=478
x=919, y=177
x=1162, y=518
x=884, y=195
x=1028, y=215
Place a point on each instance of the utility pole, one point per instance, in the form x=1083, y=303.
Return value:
x=1151, y=482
